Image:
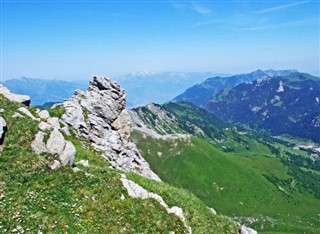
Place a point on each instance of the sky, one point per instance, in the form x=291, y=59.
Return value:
x=68, y=40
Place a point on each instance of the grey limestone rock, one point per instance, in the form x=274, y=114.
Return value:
x=75, y=169
x=16, y=115
x=68, y=154
x=245, y=230
x=65, y=131
x=44, y=114
x=84, y=163
x=44, y=126
x=38, y=146
x=212, y=210
x=55, y=165
x=136, y=191
x=56, y=143
x=25, y=111
x=53, y=122
x=99, y=115
x=24, y=99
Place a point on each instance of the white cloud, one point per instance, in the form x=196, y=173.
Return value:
x=303, y=22
x=200, y=9
x=262, y=11
x=210, y=22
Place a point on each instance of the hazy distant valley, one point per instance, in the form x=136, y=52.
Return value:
x=141, y=87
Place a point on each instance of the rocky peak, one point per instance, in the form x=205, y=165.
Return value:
x=99, y=115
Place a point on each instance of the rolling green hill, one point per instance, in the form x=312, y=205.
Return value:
x=259, y=190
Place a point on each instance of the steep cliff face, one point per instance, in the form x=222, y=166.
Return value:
x=99, y=115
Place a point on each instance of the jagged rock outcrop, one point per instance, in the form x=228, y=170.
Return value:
x=56, y=144
x=24, y=99
x=136, y=191
x=99, y=115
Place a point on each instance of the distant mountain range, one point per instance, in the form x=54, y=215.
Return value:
x=277, y=104
x=140, y=88
x=200, y=94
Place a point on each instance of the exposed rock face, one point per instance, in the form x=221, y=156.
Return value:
x=56, y=144
x=212, y=210
x=245, y=230
x=24, y=99
x=3, y=128
x=38, y=146
x=99, y=115
x=140, y=118
x=136, y=191
x=27, y=113
x=44, y=114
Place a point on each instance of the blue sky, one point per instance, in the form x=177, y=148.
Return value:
x=77, y=39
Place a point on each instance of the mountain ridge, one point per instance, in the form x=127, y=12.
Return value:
x=201, y=93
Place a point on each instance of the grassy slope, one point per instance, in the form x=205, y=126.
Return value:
x=235, y=185
x=34, y=198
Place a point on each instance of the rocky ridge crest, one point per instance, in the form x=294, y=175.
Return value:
x=24, y=99
x=153, y=120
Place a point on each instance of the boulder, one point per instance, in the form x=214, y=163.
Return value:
x=63, y=150
x=53, y=122
x=44, y=126
x=56, y=143
x=212, y=210
x=44, y=114
x=84, y=163
x=38, y=146
x=68, y=154
x=75, y=169
x=16, y=116
x=25, y=111
x=55, y=165
x=24, y=99
x=245, y=230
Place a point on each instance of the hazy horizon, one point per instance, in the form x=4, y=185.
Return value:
x=72, y=40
